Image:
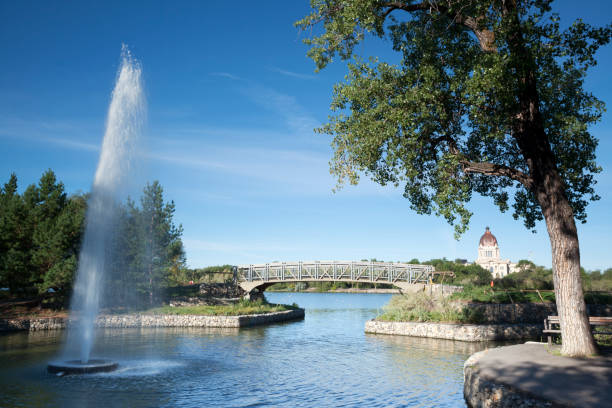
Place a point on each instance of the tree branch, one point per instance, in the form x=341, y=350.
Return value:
x=486, y=37
x=491, y=169
x=395, y=5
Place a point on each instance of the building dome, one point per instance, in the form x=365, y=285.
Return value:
x=488, y=239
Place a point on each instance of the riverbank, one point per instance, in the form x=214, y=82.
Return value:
x=456, y=331
x=529, y=375
x=155, y=320
x=422, y=316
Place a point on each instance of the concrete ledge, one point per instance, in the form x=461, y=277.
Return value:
x=527, y=375
x=452, y=331
x=481, y=392
x=143, y=320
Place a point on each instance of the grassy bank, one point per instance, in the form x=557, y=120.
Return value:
x=243, y=307
x=484, y=294
x=421, y=307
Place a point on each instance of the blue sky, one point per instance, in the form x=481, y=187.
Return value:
x=232, y=101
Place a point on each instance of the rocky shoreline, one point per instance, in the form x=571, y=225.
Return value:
x=518, y=321
x=151, y=320
x=456, y=331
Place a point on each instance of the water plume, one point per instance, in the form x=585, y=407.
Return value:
x=124, y=122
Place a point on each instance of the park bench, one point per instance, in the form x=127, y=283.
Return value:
x=551, y=325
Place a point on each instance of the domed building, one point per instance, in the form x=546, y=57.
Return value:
x=488, y=257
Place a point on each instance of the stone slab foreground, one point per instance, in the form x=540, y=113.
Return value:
x=527, y=375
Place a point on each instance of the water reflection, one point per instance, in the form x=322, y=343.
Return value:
x=323, y=360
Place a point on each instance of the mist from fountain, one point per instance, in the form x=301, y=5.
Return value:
x=126, y=116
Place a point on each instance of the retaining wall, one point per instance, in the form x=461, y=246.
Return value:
x=527, y=312
x=140, y=320
x=451, y=331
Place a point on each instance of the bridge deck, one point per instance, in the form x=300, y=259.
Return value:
x=381, y=272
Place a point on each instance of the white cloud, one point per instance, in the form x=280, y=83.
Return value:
x=292, y=74
x=295, y=116
x=45, y=132
x=226, y=75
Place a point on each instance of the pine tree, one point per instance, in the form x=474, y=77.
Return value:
x=14, y=237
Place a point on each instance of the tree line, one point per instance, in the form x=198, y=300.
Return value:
x=41, y=231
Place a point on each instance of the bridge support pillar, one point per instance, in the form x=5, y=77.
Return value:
x=250, y=288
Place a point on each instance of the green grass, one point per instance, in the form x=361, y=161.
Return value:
x=484, y=294
x=421, y=307
x=603, y=339
x=243, y=307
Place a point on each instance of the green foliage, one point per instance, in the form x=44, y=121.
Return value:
x=40, y=236
x=209, y=274
x=530, y=276
x=597, y=280
x=444, y=121
x=243, y=307
x=421, y=307
x=465, y=274
x=41, y=232
x=484, y=294
x=148, y=251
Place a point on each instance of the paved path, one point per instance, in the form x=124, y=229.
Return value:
x=567, y=381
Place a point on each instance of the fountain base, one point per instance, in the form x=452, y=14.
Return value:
x=77, y=367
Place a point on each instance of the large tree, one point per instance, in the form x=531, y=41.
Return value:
x=40, y=236
x=147, y=252
x=486, y=96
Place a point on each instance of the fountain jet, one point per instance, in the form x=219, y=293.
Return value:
x=125, y=120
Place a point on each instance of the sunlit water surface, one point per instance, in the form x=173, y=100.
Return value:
x=324, y=360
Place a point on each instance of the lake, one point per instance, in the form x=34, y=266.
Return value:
x=325, y=360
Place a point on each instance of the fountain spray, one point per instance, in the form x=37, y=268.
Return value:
x=126, y=115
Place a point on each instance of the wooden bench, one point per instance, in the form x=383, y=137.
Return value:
x=594, y=321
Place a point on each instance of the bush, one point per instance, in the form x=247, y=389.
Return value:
x=421, y=307
x=465, y=274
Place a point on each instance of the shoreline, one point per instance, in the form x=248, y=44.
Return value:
x=133, y=320
x=456, y=331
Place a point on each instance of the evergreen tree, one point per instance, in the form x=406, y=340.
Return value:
x=14, y=239
x=40, y=234
x=147, y=254
x=163, y=246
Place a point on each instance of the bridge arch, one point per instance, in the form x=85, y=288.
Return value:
x=406, y=277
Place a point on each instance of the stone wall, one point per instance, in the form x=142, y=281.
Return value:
x=140, y=320
x=528, y=312
x=499, y=322
x=35, y=324
x=450, y=331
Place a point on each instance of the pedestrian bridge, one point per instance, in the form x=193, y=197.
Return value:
x=406, y=277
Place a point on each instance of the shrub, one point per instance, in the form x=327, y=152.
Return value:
x=422, y=307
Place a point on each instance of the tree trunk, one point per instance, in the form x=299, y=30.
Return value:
x=576, y=336
x=549, y=190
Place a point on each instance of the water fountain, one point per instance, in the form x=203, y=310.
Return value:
x=123, y=125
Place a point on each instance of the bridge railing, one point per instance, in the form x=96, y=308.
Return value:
x=383, y=272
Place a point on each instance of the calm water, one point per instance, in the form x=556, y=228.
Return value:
x=325, y=360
